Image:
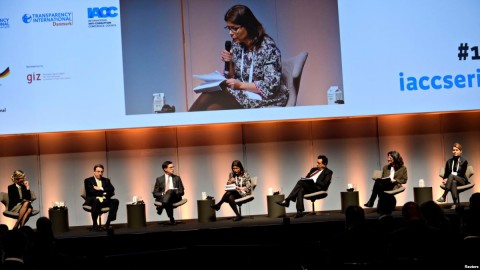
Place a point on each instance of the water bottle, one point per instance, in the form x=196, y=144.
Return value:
x=421, y=183
x=158, y=102
x=339, y=96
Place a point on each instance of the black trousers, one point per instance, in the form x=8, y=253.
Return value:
x=168, y=199
x=97, y=209
x=301, y=188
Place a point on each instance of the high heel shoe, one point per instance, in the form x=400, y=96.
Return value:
x=368, y=204
x=216, y=207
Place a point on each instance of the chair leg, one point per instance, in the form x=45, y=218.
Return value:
x=177, y=221
x=313, y=209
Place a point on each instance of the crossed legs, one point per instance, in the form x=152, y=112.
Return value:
x=23, y=214
x=453, y=181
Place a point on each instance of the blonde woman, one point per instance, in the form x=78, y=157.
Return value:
x=455, y=169
x=20, y=198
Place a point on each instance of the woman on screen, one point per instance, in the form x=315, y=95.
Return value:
x=239, y=185
x=252, y=67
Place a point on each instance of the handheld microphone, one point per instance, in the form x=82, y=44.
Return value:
x=228, y=47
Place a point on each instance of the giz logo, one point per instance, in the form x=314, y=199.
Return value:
x=33, y=77
x=103, y=12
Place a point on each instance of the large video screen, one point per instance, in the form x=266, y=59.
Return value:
x=69, y=65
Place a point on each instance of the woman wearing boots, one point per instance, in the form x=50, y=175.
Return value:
x=454, y=176
x=394, y=174
x=240, y=178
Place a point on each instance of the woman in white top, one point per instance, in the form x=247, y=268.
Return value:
x=394, y=174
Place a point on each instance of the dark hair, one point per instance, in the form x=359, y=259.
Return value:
x=324, y=159
x=243, y=16
x=98, y=166
x=238, y=163
x=166, y=163
x=397, y=159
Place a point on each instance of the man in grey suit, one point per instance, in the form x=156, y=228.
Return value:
x=168, y=190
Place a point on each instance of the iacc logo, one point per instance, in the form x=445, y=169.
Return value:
x=33, y=77
x=103, y=12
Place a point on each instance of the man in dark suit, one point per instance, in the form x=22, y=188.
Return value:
x=321, y=177
x=168, y=190
x=99, y=192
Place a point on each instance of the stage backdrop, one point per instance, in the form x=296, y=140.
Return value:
x=70, y=65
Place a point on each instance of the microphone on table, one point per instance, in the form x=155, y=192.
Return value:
x=228, y=47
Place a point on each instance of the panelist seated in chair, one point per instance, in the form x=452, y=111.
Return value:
x=20, y=198
x=243, y=187
x=321, y=176
x=168, y=190
x=454, y=176
x=253, y=67
x=99, y=192
x=394, y=174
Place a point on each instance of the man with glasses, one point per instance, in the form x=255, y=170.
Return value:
x=317, y=179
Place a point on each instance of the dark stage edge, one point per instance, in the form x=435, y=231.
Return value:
x=255, y=242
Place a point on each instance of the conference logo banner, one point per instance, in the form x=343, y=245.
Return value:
x=55, y=18
x=100, y=17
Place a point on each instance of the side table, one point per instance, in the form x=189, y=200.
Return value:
x=59, y=218
x=422, y=194
x=136, y=215
x=349, y=198
x=275, y=210
x=205, y=212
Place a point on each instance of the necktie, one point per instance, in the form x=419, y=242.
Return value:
x=99, y=184
x=312, y=174
x=20, y=192
x=167, y=183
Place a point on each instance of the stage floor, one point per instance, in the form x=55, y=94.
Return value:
x=258, y=241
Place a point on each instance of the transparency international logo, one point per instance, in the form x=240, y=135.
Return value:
x=55, y=18
x=4, y=23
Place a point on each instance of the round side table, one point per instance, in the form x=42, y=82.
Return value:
x=136, y=215
x=349, y=198
x=59, y=218
x=205, y=212
x=275, y=210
